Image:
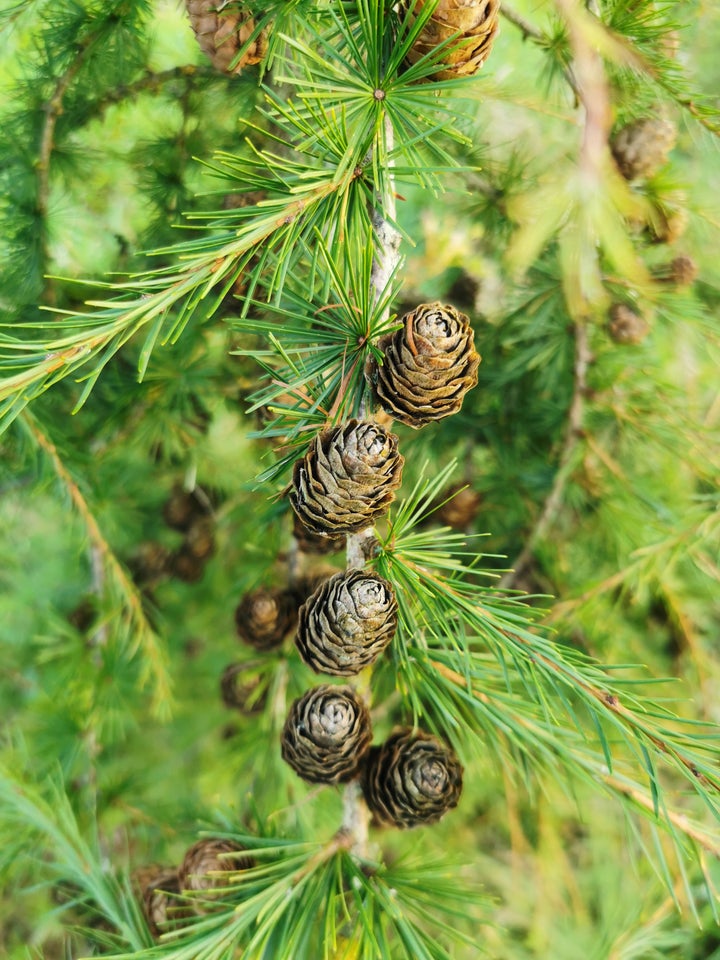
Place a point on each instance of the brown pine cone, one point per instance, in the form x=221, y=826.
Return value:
x=222, y=30
x=200, y=539
x=265, y=617
x=239, y=687
x=680, y=272
x=670, y=219
x=458, y=506
x=207, y=859
x=411, y=779
x=317, y=543
x=159, y=888
x=683, y=271
x=347, y=623
x=626, y=326
x=327, y=734
x=642, y=147
x=477, y=23
x=428, y=367
x=347, y=479
x=187, y=567
x=83, y=616
x=182, y=508
x=151, y=562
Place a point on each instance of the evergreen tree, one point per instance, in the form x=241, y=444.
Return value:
x=360, y=483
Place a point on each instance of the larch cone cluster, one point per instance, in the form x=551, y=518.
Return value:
x=327, y=734
x=411, y=779
x=348, y=478
x=223, y=30
x=347, y=623
x=428, y=365
x=469, y=26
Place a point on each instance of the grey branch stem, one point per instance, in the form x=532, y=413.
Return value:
x=385, y=262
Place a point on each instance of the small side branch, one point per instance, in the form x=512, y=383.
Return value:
x=527, y=29
x=531, y=32
x=155, y=666
x=618, y=785
x=573, y=434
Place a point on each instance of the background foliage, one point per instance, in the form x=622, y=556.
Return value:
x=596, y=466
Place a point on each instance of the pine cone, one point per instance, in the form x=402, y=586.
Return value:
x=327, y=734
x=347, y=623
x=265, y=617
x=222, y=29
x=316, y=543
x=158, y=888
x=429, y=365
x=458, y=506
x=200, y=539
x=412, y=778
x=208, y=858
x=626, y=326
x=477, y=23
x=347, y=479
x=683, y=271
x=670, y=219
x=187, y=567
x=239, y=687
x=150, y=563
x=642, y=147
x=83, y=616
x=182, y=508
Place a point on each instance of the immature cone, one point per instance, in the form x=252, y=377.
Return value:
x=264, y=617
x=222, y=33
x=683, y=271
x=239, y=687
x=670, y=219
x=186, y=566
x=327, y=734
x=625, y=326
x=642, y=147
x=182, y=508
x=347, y=479
x=159, y=887
x=429, y=365
x=347, y=623
x=458, y=507
x=200, y=539
x=473, y=25
x=206, y=860
x=411, y=779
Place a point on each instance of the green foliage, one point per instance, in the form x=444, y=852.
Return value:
x=587, y=725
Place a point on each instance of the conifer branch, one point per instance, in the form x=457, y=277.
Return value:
x=528, y=30
x=151, y=81
x=689, y=541
x=103, y=333
x=640, y=798
x=53, y=110
x=531, y=32
x=616, y=783
x=573, y=434
x=144, y=639
x=627, y=49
